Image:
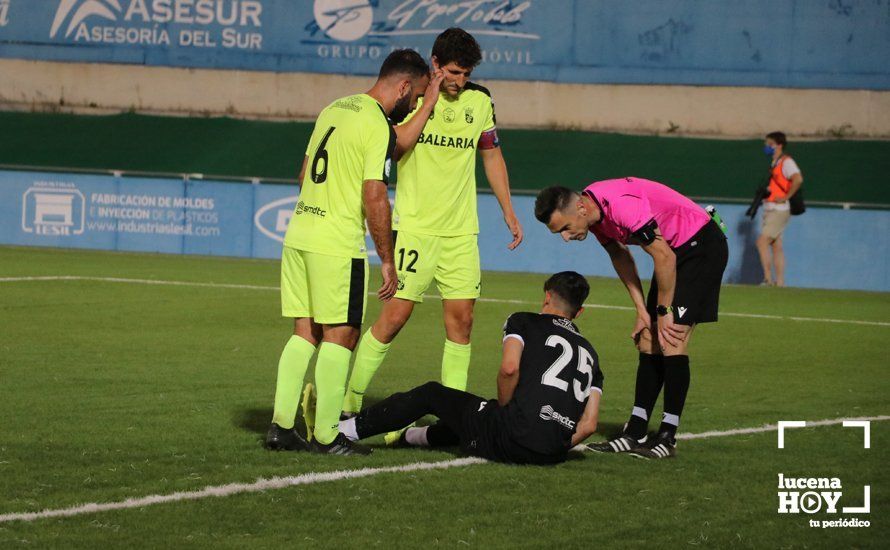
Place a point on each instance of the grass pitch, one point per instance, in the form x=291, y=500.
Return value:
x=111, y=390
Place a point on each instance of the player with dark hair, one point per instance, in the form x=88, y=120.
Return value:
x=549, y=388
x=435, y=218
x=690, y=254
x=324, y=265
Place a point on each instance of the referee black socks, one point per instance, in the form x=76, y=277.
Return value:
x=676, y=386
x=650, y=375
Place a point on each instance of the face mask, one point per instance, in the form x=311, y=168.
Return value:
x=768, y=150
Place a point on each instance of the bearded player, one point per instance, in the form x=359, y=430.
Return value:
x=324, y=265
x=435, y=220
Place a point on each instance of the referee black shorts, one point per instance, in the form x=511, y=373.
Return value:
x=701, y=262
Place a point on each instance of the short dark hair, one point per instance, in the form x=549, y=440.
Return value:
x=405, y=61
x=550, y=200
x=778, y=137
x=457, y=45
x=571, y=286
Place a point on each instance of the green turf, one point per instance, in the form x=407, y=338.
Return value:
x=853, y=171
x=110, y=390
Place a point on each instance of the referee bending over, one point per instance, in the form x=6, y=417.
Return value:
x=690, y=253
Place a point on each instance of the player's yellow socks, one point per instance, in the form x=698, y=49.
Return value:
x=455, y=365
x=368, y=357
x=331, y=370
x=291, y=370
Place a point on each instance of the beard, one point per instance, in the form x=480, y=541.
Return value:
x=401, y=109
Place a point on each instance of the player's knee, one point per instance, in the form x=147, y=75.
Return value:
x=309, y=331
x=682, y=344
x=390, y=323
x=465, y=320
x=644, y=342
x=460, y=321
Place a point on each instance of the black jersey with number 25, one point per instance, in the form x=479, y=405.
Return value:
x=558, y=370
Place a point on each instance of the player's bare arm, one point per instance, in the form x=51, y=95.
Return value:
x=408, y=133
x=587, y=425
x=379, y=217
x=626, y=269
x=508, y=376
x=666, y=275
x=496, y=172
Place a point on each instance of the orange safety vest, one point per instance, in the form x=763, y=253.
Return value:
x=779, y=185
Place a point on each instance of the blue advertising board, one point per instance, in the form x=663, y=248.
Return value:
x=781, y=43
x=825, y=248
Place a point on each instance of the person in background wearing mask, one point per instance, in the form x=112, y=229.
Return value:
x=785, y=180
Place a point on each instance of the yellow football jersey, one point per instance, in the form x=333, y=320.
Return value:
x=436, y=188
x=353, y=141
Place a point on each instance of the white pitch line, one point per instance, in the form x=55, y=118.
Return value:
x=135, y=281
x=774, y=427
x=760, y=429
x=320, y=477
x=236, y=488
x=488, y=300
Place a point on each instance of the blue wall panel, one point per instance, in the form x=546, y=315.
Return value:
x=825, y=248
x=783, y=43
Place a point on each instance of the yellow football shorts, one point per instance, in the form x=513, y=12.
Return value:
x=452, y=261
x=332, y=290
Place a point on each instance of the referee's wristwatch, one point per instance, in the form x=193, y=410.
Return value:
x=663, y=310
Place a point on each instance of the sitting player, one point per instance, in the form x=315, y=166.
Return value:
x=549, y=389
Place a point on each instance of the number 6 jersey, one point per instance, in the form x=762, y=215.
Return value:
x=353, y=141
x=558, y=370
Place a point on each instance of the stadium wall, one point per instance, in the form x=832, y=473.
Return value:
x=812, y=67
x=229, y=219
x=680, y=109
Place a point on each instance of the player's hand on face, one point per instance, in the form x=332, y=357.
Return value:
x=668, y=332
x=515, y=229
x=390, y=282
x=643, y=322
x=431, y=95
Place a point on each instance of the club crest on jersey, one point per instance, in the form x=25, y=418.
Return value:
x=448, y=114
x=468, y=115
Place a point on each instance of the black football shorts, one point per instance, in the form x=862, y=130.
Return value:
x=701, y=262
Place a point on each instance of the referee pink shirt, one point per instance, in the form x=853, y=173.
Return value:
x=628, y=204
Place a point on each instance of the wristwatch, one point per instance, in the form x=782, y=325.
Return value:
x=663, y=310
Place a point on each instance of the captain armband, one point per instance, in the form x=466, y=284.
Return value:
x=489, y=139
